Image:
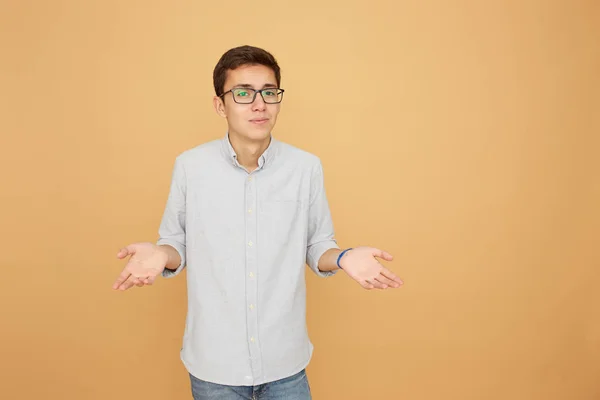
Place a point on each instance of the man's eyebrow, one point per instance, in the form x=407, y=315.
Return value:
x=248, y=86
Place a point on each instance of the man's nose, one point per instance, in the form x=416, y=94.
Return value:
x=259, y=103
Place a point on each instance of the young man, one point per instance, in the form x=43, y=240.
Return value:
x=245, y=214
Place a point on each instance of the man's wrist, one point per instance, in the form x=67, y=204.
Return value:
x=167, y=251
x=341, y=257
x=328, y=260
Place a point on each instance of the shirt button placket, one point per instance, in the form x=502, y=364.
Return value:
x=251, y=275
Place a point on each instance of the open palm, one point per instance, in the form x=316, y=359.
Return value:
x=361, y=264
x=146, y=262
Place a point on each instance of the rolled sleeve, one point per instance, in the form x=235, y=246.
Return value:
x=172, y=227
x=321, y=236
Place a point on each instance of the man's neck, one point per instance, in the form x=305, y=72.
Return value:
x=248, y=152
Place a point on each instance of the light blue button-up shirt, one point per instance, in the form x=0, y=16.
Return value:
x=245, y=239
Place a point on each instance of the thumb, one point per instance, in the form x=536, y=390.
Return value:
x=126, y=251
x=382, y=254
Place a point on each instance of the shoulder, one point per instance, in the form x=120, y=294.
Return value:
x=299, y=157
x=201, y=153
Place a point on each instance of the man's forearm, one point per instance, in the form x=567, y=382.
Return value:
x=173, y=258
x=328, y=261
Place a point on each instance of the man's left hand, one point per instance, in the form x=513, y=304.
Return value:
x=361, y=264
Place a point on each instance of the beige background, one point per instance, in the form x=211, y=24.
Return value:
x=460, y=136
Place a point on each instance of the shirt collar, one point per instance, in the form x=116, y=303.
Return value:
x=264, y=159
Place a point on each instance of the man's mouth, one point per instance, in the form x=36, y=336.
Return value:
x=259, y=121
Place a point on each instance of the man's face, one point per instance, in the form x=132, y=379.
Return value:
x=253, y=121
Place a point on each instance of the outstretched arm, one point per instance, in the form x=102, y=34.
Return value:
x=167, y=257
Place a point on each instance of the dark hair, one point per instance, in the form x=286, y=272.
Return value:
x=243, y=55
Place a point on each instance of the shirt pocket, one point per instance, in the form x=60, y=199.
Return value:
x=281, y=220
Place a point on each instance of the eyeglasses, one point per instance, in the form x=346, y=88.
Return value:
x=247, y=95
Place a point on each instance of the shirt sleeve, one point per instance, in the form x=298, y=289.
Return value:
x=172, y=227
x=321, y=235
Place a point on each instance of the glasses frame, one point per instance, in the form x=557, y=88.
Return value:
x=256, y=92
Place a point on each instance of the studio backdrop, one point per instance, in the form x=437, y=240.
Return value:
x=460, y=136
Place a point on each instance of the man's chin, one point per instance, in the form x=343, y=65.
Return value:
x=261, y=133
x=253, y=133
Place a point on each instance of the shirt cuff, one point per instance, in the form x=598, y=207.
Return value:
x=314, y=253
x=169, y=273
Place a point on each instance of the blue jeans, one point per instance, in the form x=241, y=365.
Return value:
x=294, y=387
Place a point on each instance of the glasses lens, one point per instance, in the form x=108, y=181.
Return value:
x=243, y=95
x=272, y=95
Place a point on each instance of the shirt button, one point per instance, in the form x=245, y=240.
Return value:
x=250, y=244
x=252, y=306
x=252, y=339
x=251, y=275
x=249, y=210
x=250, y=178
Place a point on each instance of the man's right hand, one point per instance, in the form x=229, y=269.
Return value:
x=147, y=261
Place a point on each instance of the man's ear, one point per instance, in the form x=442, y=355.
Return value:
x=219, y=106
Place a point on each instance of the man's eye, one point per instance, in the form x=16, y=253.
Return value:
x=269, y=93
x=241, y=94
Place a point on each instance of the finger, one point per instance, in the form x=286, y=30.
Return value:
x=129, y=283
x=149, y=280
x=126, y=285
x=123, y=253
x=382, y=254
x=138, y=280
x=375, y=284
x=367, y=286
x=385, y=282
x=126, y=251
x=121, y=279
x=143, y=281
x=390, y=275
